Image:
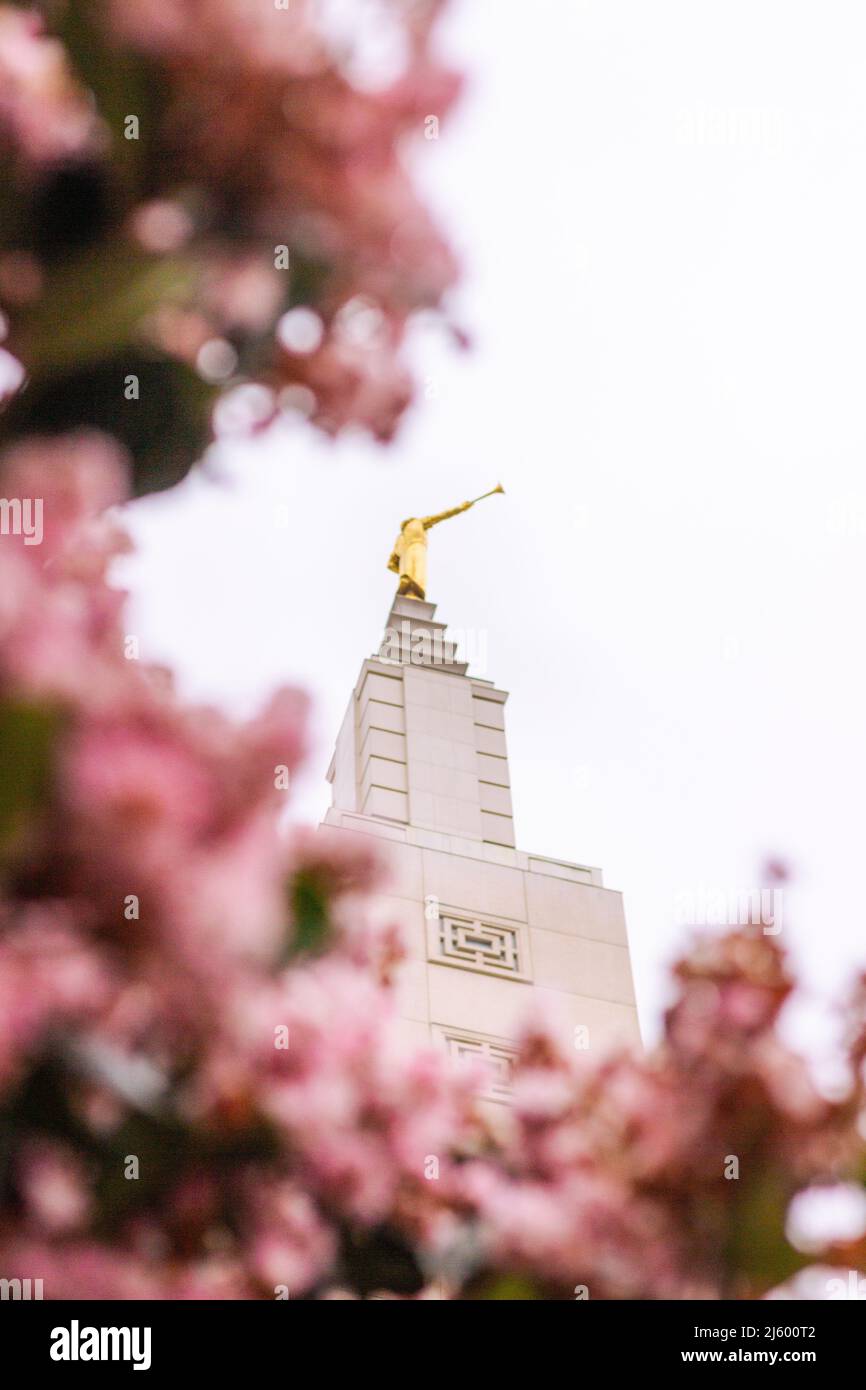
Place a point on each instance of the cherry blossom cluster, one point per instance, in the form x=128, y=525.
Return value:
x=203, y=1090
x=672, y=1175
x=229, y=181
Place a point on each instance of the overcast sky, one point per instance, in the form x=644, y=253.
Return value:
x=662, y=218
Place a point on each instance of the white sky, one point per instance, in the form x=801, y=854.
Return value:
x=662, y=214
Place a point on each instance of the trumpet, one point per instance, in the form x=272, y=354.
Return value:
x=492, y=493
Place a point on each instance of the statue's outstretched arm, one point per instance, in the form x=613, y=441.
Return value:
x=429, y=521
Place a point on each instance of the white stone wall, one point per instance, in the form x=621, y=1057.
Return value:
x=567, y=952
x=431, y=753
x=494, y=935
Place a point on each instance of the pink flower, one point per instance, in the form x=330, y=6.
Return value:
x=351, y=383
x=51, y=1181
x=292, y=1247
x=138, y=782
x=75, y=477
x=50, y=978
x=43, y=110
x=81, y=1269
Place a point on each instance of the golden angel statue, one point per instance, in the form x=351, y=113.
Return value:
x=409, y=556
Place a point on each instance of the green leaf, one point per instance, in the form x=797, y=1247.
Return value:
x=309, y=914
x=27, y=739
x=505, y=1288
x=165, y=430
x=758, y=1252
x=94, y=304
x=123, y=84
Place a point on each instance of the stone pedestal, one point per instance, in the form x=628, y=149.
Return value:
x=493, y=933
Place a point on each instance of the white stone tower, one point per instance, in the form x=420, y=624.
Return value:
x=421, y=763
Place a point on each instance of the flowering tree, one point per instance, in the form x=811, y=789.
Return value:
x=210, y=194
x=202, y=1093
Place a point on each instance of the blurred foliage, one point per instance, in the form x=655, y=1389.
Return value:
x=165, y=429
x=241, y=148
x=309, y=913
x=27, y=743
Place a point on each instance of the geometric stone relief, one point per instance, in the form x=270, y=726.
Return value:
x=486, y=944
x=498, y=1055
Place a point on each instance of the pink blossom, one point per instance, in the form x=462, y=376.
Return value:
x=351, y=383
x=51, y=1181
x=43, y=110
x=292, y=1245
